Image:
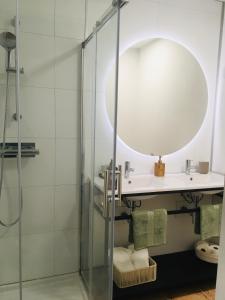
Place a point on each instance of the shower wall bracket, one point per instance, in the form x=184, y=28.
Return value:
x=11, y=150
x=13, y=70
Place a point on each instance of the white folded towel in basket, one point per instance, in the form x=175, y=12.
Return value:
x=132, y=267
x=122, y=259
x=139, y=258
x=127, y=260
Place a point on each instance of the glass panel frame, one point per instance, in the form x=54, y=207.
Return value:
x=101, y=219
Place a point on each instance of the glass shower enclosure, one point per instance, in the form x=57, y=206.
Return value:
x=141, y=20
x=100, y=176
x=40, y=58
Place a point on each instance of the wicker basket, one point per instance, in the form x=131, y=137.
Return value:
x=128, y=279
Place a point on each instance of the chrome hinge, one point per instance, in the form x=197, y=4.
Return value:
x=121, y=2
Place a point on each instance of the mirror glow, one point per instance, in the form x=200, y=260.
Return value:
x=162, y=97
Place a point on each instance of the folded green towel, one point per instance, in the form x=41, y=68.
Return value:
x=149, y=228
x=210, y=220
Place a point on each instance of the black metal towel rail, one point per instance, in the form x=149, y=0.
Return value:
x=125, y=216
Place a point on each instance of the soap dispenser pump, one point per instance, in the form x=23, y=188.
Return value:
x=159, y=169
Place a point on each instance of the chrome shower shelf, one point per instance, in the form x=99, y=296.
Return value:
x=11, y=150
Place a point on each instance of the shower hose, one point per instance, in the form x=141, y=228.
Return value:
x=20, y=196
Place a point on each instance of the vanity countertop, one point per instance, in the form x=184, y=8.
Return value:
x=149, y=184
x=142, y=184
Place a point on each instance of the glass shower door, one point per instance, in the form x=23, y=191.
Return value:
x=99, y=146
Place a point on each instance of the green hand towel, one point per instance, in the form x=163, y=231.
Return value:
x=210, y=220
x=149, y=228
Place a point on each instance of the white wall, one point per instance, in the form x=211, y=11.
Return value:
x=95, y=10
x=219, y=163
x=185, y=22
x=219, y=133
x=51, y=35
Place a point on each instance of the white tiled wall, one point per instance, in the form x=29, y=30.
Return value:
x=51, y=36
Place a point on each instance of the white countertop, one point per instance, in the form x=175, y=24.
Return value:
x=144, y=184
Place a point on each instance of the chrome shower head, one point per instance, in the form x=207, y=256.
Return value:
x=8, y=41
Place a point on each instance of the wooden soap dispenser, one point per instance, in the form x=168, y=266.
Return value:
x=159, y=169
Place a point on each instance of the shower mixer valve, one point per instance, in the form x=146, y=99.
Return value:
x=14, y=116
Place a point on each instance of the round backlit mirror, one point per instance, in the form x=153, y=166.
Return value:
x=163, y=97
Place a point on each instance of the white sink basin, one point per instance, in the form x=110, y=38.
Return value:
x=172, y=182
x=143, y=184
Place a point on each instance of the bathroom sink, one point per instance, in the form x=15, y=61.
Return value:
x=141, y=184
x=148, y=181
x=201, y=179
x=148, y=184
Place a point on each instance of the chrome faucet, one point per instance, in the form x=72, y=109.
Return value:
x=189, y=167
x=128, y=169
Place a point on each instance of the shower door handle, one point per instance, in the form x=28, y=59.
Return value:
x=106, y=194
x=107, y=198
x=118, y=189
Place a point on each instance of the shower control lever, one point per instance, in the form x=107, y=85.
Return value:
x=14, y=116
